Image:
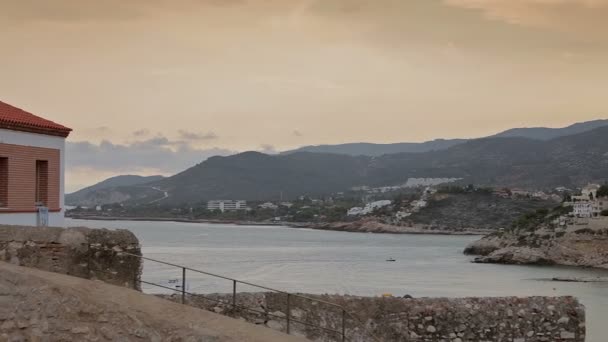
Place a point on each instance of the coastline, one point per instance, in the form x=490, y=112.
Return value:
x=364, y=226
x=371, y=226
x=169, y=219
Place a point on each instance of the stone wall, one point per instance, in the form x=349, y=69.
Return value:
x=81, y=252
x=509, y=319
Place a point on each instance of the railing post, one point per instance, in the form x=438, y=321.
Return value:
x=234, y=295
x=288, y=311
x=343, y=325
x=183, y=285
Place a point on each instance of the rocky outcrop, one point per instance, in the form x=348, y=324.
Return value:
x=44, y=306
x=587, y=248
x=81, y=252
x=426, y=319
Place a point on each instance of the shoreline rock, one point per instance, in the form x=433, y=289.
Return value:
x=579, y=248
x=581, y=280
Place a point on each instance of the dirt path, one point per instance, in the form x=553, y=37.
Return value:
x=40, y=305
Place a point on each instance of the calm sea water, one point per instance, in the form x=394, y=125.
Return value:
x=311, y=261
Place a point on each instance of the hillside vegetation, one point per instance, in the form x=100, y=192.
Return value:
x=476, y=210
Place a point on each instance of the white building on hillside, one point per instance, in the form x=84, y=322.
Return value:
x=587, y=205
x=226, y=205
x=588, y=193
x=582, y=209
x=287, y=204
x=268, y=205
x=369, y=208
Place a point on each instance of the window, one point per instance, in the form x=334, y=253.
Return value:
x=42, y=182
x=3, y=182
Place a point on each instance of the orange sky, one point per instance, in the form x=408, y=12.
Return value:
x=243, y=74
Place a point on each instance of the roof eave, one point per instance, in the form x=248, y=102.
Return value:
x=63, y=132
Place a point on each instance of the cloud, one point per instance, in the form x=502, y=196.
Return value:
x=141, y=132
x=268, y=149
x=158, y=153
x=297, y=133
x=115, y=10
x=72, y=10
x=192, y=136
x=577, y=16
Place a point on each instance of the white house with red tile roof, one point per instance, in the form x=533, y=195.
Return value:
x=32, y=163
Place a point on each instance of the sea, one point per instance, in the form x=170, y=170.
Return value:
x=318, y=262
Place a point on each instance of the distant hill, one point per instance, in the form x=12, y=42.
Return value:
x=374, y=150
x=254, y=175
x=87, y=195
x=543, y=133
x=512, y=162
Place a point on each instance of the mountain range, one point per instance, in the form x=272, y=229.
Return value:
x=504, y=160
x=369, y=149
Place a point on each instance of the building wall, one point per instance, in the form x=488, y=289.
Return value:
x=23, y=149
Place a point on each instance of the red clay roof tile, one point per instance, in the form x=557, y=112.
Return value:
x=17, y=119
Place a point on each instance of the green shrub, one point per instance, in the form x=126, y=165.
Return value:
x=602, y=191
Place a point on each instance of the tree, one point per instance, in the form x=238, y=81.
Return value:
x=602, y=191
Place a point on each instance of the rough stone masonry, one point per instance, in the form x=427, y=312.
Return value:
x=80, y=252
x=493, y=319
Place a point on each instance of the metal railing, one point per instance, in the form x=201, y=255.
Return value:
x=345, y=315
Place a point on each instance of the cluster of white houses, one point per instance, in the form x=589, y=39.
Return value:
x=410, y=183
x=587, y=204
x=237, y=205
x=32, y=159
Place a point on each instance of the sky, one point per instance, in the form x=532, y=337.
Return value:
x=156, y=86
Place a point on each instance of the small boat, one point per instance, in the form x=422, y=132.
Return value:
x=390, y=259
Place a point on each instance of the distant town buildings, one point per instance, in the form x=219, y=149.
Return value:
x=411, y=183
x=369, y=208
x=582, y=209
x=268, y=205
x=588, y=193
x=227, y=205
x=400, y=215
x=32, y=159
x=416, y=182
x=587, y=204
